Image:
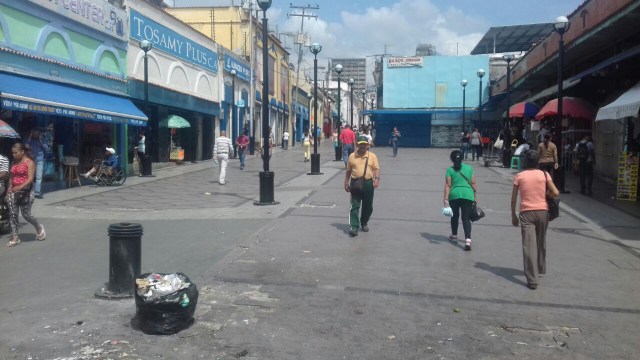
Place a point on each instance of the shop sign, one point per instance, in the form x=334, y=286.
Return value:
x=97, y=14
x=393, y=62
x=242, y=71
x=171, y=42
x=27, y=106
x=627, y=188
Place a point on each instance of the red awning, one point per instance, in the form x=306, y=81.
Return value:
x=572, y=107
x=524, y=109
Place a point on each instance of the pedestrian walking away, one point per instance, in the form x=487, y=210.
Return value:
x=306, y=143
x=464, y=144
x=395, y=140
x=221, y=150
x=362, y=164
x=460, y=193
x=38, y=149
x=534, y=186
x=242, y=142
x=586, y=155
x=348, y=140
x=476, y=144
x=548, y=153
x=20, y=194
x=285, y=140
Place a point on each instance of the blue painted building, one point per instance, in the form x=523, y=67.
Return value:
x=423, y=97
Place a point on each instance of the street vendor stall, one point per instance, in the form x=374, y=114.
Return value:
x=174, y=122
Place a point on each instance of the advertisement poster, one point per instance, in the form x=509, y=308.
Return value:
x=627, y=177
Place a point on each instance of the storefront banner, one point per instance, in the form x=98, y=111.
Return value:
x=171, y=42
x=627, y=188
x=243, y=72
x=97, y=14
x=27, y=106
x=404, y=61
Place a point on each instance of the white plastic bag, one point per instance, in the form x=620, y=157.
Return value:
x=447, y=211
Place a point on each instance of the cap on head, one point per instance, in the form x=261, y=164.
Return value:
x=111, y=150
x=363, y=140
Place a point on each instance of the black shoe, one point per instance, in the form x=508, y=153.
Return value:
x=532, y=286
x=365, y=228
x=39, y=196
x=353, y=233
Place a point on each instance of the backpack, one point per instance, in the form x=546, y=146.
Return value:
x=583, y=151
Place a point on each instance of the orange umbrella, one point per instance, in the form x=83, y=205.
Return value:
x=573, y=107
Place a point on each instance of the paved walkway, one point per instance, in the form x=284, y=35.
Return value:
x=294, y=285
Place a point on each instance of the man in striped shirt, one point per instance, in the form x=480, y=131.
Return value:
x=221, y=150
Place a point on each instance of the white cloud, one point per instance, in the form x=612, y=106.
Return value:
x=400, y=27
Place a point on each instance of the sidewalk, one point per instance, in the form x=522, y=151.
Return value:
x=294, y=285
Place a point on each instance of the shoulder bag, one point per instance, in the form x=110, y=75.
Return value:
x=552, y=204
x=476, y=212
x=356, y=186
x=498, y=143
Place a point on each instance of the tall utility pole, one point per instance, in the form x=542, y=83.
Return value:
x=302, y=15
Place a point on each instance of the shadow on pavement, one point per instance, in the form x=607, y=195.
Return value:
x=342, y=227
x=507, y=273
x=441, y=239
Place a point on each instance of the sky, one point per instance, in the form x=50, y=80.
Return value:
x=359, y=28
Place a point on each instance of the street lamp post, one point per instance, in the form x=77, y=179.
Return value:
x=338, y=69
x=364, y=105
x=561, y=26
x=480, y=74
x=266, y=177
x=146, y=170
x=351, y=82
x=464, y=100
x=506, y=150
x=233, y=102
x=315, y=157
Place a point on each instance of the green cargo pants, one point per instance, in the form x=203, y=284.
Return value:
x=366, y=199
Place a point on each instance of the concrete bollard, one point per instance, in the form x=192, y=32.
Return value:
x=125, y=241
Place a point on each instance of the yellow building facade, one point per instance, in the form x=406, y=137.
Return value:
x=233, y=28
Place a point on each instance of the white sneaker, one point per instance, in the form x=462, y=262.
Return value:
x=467, y=245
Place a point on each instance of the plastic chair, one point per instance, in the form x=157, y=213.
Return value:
x=516, y=163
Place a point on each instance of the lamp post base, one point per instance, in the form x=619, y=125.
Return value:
x=315, y=165
x=338, y=154
x=266, y=189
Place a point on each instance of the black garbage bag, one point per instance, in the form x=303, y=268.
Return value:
x=163, y=311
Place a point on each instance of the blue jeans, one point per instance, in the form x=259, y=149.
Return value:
x=395, y=147
x=347, y=149
x=241, y=155
x=465, y=150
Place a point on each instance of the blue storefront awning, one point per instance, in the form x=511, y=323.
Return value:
x=43, y=97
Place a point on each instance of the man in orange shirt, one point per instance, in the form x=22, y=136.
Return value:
x=348, y=140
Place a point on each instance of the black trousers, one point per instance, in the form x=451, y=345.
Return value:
x=586, y=177
x=461, y=206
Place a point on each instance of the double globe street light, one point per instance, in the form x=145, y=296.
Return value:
x=561, y=26
x=480, y=74
x=145, y=162
x=266, y=177
x=464, y=83
x=506, y=150
x=351, y=82
x=315, y=157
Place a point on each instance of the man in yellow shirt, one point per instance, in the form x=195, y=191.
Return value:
x=359, y=160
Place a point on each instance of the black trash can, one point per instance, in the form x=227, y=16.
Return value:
x=125, y=252
x=145, y=165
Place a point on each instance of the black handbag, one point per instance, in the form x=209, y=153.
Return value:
x=356, y=186
x=476, y=212
x=552, y=204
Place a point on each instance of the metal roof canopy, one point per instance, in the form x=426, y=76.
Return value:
x=512, y=38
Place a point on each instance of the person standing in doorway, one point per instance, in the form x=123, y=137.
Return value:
x=460, y=193
x=548, y=155
x=534, y=186
x=348, y=140
x=242, y=142
x=285, y=140
x=221, y=150
x=362, y=164
x=476, y=144
x=38, y=149
x=395, y=140
x=585, y=153
x=140, y=151
x=20, y=194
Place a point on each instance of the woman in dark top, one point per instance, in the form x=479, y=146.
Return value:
x=464, y=147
